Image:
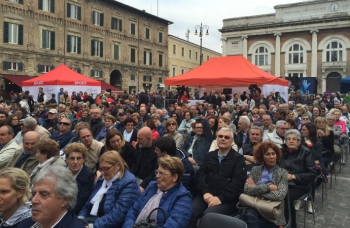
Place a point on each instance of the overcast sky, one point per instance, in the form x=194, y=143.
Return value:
x=186, y=14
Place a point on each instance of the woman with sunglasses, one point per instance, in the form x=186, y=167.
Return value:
x=176, y=117
x=171, y=128
x=267, y=180
x=114, y=194
x=168, y=193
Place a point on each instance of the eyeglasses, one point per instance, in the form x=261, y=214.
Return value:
x=64, y=123
x=105, y=169
x=161, y=173
x=224, y=136
x=305, y=118
x=171, y=124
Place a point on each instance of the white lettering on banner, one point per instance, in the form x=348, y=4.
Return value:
x=39, y=83
x=80, y=83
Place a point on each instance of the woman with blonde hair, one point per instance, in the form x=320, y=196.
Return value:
x=327, y=138
x=171, y=128
x=15, y=192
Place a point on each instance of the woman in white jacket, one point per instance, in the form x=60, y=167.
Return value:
x=250, y=101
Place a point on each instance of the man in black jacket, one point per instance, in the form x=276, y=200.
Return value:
x=143, y=98
x=96, y=122
x=220, y=180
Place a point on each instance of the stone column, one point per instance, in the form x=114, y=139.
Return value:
x=245, y=46
x=278, y=54
x=314, y=53
x=224, y=46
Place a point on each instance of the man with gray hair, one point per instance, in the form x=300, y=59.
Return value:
x=219, y=196
x=31, y=125
x=277, y=137
x=7, y=144
x=54, y=196
x=243, y=131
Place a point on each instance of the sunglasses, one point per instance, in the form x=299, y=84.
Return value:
x=224, y=136
x=305, y=118
x=171, y=124
x=64, y=123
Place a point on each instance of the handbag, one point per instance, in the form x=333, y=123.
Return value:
x=268, y=209
x=150, y=223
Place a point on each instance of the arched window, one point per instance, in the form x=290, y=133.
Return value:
x=296, y=54
x=334, y=52
x=261, y=56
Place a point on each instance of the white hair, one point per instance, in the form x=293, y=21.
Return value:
x=245, y=119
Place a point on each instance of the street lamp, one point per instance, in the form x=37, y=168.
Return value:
x=201, y=28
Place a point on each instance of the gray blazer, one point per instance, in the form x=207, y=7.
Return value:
x=280, y=178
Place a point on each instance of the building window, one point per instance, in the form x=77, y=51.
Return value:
x=174, y=71
x=96, y=48
x=48, y=40
x=97, y=18
x=76, y=70
x=160, y=60
x=297, y=75
x=116, y=24
x=160, y=79
x=296, y=54
x=182, y=71
x=261, y=56
x=12, y=66
x=334, y=52
x=97, y=73
x=183, y=51
x=73, y=11
x=132, y=77
x=147, y=78
x=196, y=55
x=207, y=57
x=174, y=49
x=133, y=29
x=116, y=52
x=147, y=34
x=160, y=37
x=73, y=44
x=132, y=89
x=190, y=54
x=17, y=1
x=47, y=5
x=13, y=33
x=147, y=58
x=133, y=55
x=45, y=68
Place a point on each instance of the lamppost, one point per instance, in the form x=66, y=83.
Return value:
x=201, y=28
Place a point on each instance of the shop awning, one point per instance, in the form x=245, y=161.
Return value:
x=105, y=86
x=17, y=79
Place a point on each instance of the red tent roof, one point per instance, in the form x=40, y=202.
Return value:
x=61, y=75
x=226, y=71
x=105, y=86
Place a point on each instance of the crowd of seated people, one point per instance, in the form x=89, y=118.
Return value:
x=109, y=161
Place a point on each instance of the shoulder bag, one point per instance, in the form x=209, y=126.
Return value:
x=150, y=223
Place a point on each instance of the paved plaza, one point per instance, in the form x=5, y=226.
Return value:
x=336, y=208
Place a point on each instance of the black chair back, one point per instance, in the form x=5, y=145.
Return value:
x=211, y=220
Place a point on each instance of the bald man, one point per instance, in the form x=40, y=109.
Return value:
x=25, y=159
x=143, y=114
x=145, y=157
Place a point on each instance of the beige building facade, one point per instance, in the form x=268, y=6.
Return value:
x=185, y=56
x=306, y=39
x=105, y=40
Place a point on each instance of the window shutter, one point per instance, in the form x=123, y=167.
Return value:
x=144, y=57
x=116, y=52
x=5, y=65
x=101, y=49
x=40, y=5
x=43, y=37
x=20, y=34
x=6, y=32
x=20, y=2
x=92, y=73
x=92, y=48
x=69, y=43
x=132, y=55
x=79, y=44
x=52, y=44
x=101, y=19
x=120, y=25
x=78, y=70
x=93, y=17
x=20, y=66
x=79, y=13
x=160, y=60
x=101, y=74
x=68, y=10
x=40, y=68
x=113, y=23
x=52, y=6
x=52, y=67
x=150, y=58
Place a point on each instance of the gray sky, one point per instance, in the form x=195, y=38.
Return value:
x=186, y=14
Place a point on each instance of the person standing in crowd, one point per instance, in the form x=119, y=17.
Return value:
x=25, y=158
x=41, y=96
x=53, y=209
x=219, y=191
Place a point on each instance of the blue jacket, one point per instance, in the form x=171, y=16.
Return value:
x=119, y=198
x=200, y=148
x=161, y=130
x=85, y=182
x=176, y=203
x=103, y=133
x=62, y=140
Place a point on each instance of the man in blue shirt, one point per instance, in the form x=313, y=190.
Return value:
x=64, y=135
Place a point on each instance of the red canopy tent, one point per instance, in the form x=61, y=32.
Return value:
x=227, y=71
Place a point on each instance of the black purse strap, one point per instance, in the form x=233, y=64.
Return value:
x=158, y=208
